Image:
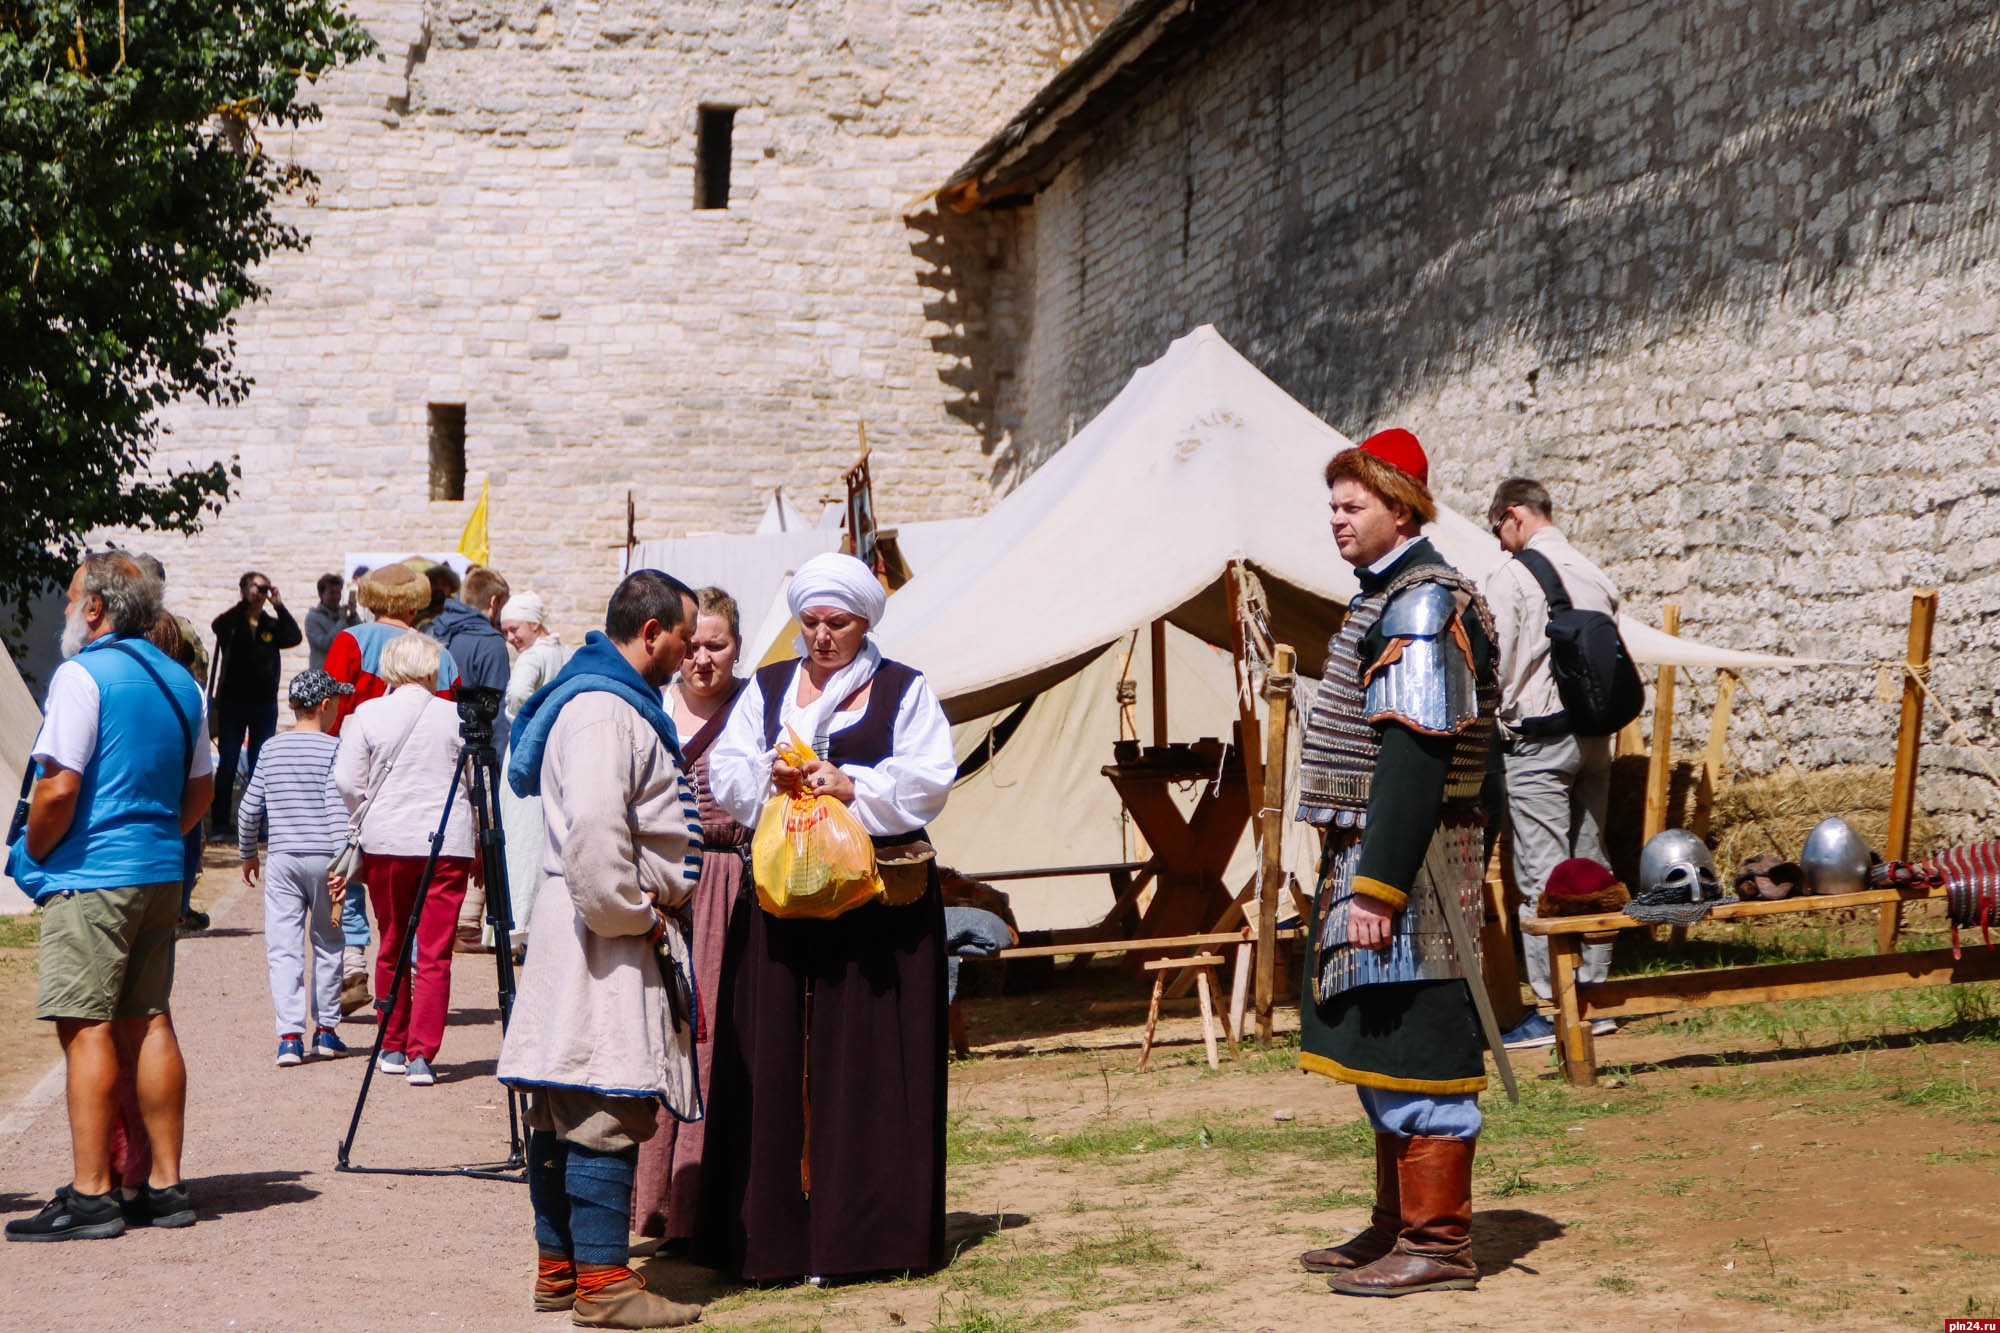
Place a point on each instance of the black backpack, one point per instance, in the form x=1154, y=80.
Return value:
x=1599, y=687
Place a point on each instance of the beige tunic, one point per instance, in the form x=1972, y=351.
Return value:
x=591, y=1011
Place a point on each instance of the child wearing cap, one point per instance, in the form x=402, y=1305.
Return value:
x=292, y=790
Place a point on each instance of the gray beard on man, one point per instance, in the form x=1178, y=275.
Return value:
x=75, y=632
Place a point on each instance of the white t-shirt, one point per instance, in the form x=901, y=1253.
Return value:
x=69, y=724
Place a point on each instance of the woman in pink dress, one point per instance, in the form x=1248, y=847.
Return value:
x=669, y=1174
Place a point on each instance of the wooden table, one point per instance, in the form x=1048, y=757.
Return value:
x=1630, y=997
x=1190, y=852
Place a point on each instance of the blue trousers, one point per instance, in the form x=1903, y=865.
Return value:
x=354, y=919
x=1452, y=1115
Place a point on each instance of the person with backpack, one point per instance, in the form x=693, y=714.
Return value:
x=1565, y=686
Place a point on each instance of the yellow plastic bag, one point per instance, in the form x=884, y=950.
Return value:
x=810, y=856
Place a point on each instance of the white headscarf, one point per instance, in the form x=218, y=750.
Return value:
x=842, y=582
x=525, y=607
x=837, y=580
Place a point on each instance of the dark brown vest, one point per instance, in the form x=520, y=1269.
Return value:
x=866, y=743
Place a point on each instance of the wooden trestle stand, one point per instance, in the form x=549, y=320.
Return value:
x=1633, y=996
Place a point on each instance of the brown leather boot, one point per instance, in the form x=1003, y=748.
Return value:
x=1384, y=1225
x=1434, y=1253
x=613, y=1296
x=555, y=1281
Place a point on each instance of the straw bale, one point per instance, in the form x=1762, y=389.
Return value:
x=1753, y=815
x=1774, y=812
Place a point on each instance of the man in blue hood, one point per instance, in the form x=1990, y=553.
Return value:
x=469, y=626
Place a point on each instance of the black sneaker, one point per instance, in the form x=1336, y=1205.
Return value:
x=193, y=920
x=72, y=1216
x=167, y=1207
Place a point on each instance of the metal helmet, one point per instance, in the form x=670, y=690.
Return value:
x=1677, y=862
x=1835, y=859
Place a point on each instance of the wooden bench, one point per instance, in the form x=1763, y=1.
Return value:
x=1631, y=997
x=1242, y=942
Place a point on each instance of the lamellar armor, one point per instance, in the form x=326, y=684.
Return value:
x=1424, y=678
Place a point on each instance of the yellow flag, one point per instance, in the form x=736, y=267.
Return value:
x=472, y=542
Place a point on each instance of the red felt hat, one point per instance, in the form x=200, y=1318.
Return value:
x=1579, y=877
x=1399, y=449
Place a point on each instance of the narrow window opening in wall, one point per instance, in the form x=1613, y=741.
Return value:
x=711, y=164
x=447, y=422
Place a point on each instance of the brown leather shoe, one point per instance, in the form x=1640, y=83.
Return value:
x=1384, y=1225
x=354, y=996
x=1434, y=1253
x=555, y=1281
x=605, y=1299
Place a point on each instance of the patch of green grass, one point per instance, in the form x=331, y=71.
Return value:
x=1969, y=1013
x=1511, y=1183
x=1091, y=1273
x=1548, y=1108
x=21, y=932
x=1327, y=1200
x=993, y=1139
x=968, y=1318
x=1613, y=1282
x=1281, y=1058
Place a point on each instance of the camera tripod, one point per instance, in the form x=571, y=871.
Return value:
x=478, y=771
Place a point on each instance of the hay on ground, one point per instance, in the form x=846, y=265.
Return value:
x=1775, y=812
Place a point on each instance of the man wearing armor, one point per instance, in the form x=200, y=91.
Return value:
x=1390, y=770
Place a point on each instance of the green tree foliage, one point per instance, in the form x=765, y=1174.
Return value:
x=135, y=202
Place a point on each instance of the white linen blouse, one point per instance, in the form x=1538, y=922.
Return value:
x=899, y=795
x=535, y=667
x=403, y=817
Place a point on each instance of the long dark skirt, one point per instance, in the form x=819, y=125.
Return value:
x=826, y=1118
x=668, y=1178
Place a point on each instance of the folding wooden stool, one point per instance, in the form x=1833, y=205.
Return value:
x=1203, y=966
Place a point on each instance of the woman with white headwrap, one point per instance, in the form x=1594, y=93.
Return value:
x=833, y=1031
x=538, y=656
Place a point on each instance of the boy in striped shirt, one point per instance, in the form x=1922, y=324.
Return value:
x=292, y=790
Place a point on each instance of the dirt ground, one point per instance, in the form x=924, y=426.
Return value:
x=1795, y=1181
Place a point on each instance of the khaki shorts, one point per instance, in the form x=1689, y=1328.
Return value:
x=108, y=953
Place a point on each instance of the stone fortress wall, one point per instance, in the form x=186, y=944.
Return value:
x=505, y=219
x=1720, y=272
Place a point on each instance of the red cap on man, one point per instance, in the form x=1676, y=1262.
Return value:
x=1399, y=449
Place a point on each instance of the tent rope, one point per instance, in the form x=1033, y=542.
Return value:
x=1921, y=675
x=1736, y=765
x=1784, y=752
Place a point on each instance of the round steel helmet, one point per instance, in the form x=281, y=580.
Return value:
x=1835, y=859
x=1678, y=862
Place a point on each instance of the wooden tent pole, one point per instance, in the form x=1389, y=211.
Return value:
x=1246, y=707
x=1157, y=644
x=1271, y=827
x=1909, y=743
x=1714, y=754
x=1660, y=768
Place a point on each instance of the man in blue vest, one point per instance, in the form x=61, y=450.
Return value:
x=125, y=773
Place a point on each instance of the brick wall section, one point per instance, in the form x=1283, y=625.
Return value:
x=504, y=219
x=1718, y=271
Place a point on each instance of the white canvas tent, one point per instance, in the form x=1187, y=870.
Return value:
x=1199, y=461
x=1040, y=801
x=19, y=721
